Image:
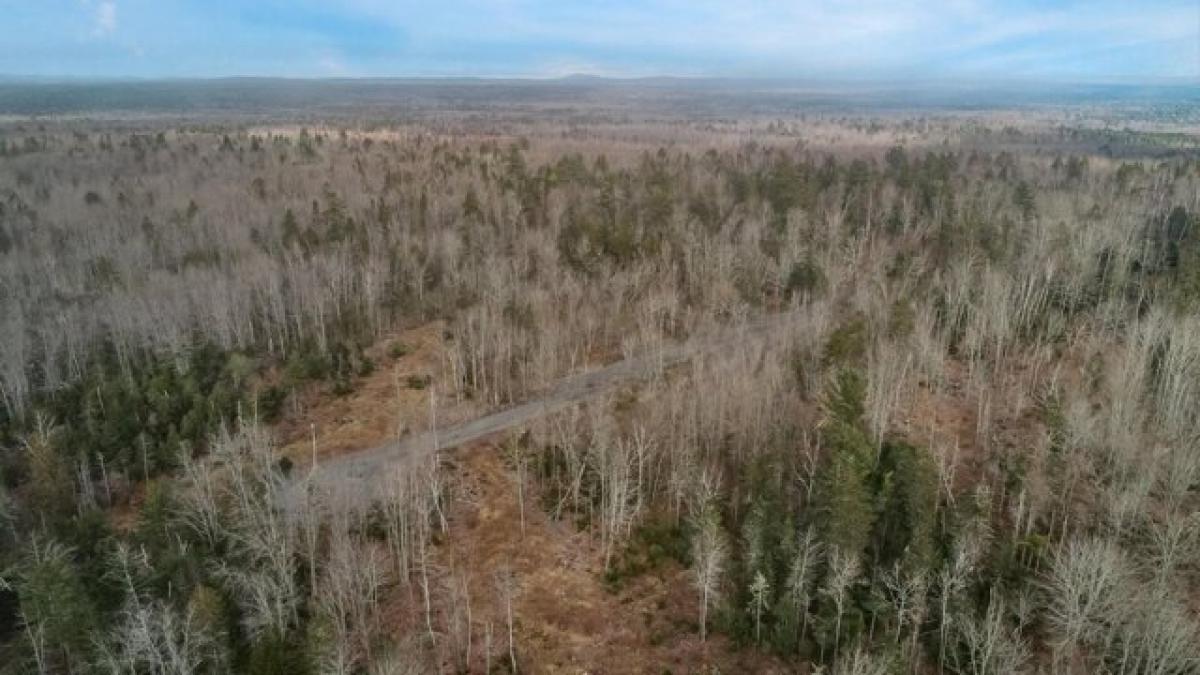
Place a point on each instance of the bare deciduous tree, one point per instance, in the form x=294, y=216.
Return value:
x=992, y=646
x=709, y=550
x=1086, y=580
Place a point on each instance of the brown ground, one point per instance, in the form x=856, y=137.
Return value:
x=566, y=619
x=381, y=404
x=945, y=419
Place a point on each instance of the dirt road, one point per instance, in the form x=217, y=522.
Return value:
x=571, y=390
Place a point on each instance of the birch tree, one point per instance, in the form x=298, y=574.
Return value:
x=709, y=552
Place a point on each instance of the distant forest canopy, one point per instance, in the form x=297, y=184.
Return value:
x=581, y=97
x=167, y=287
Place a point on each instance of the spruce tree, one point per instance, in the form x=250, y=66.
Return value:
x=842, y=500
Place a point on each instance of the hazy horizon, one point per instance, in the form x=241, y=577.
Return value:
x=953, y=82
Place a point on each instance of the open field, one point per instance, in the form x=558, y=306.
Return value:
x=598, y=376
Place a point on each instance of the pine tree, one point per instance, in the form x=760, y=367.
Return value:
x=51, y=482
x=1024, y=199
x=57, y=615
x=843, y=499
x=908, y=501
x=289, y=230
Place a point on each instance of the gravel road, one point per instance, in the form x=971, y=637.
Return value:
x=362, y=466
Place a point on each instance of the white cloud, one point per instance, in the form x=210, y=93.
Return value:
x=105, y=20
x=819, y=38
x=788, y=36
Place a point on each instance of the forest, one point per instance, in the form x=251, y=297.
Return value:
x=953, y=431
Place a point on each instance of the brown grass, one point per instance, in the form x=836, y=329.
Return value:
x=382, y=403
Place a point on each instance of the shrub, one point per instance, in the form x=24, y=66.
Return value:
x=652, y=545
x=848, y=344
x=418, y=381
x=308, y=363
x=270, y=403
x=806, y=276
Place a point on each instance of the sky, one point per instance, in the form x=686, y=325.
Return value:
x=1068, y=40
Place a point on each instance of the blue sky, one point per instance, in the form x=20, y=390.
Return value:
x=1081, y=40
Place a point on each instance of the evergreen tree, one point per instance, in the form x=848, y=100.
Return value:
x=51, y=490
x=57, y=616
x=908, y=500
x=1023, y=198
x=842, y=500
